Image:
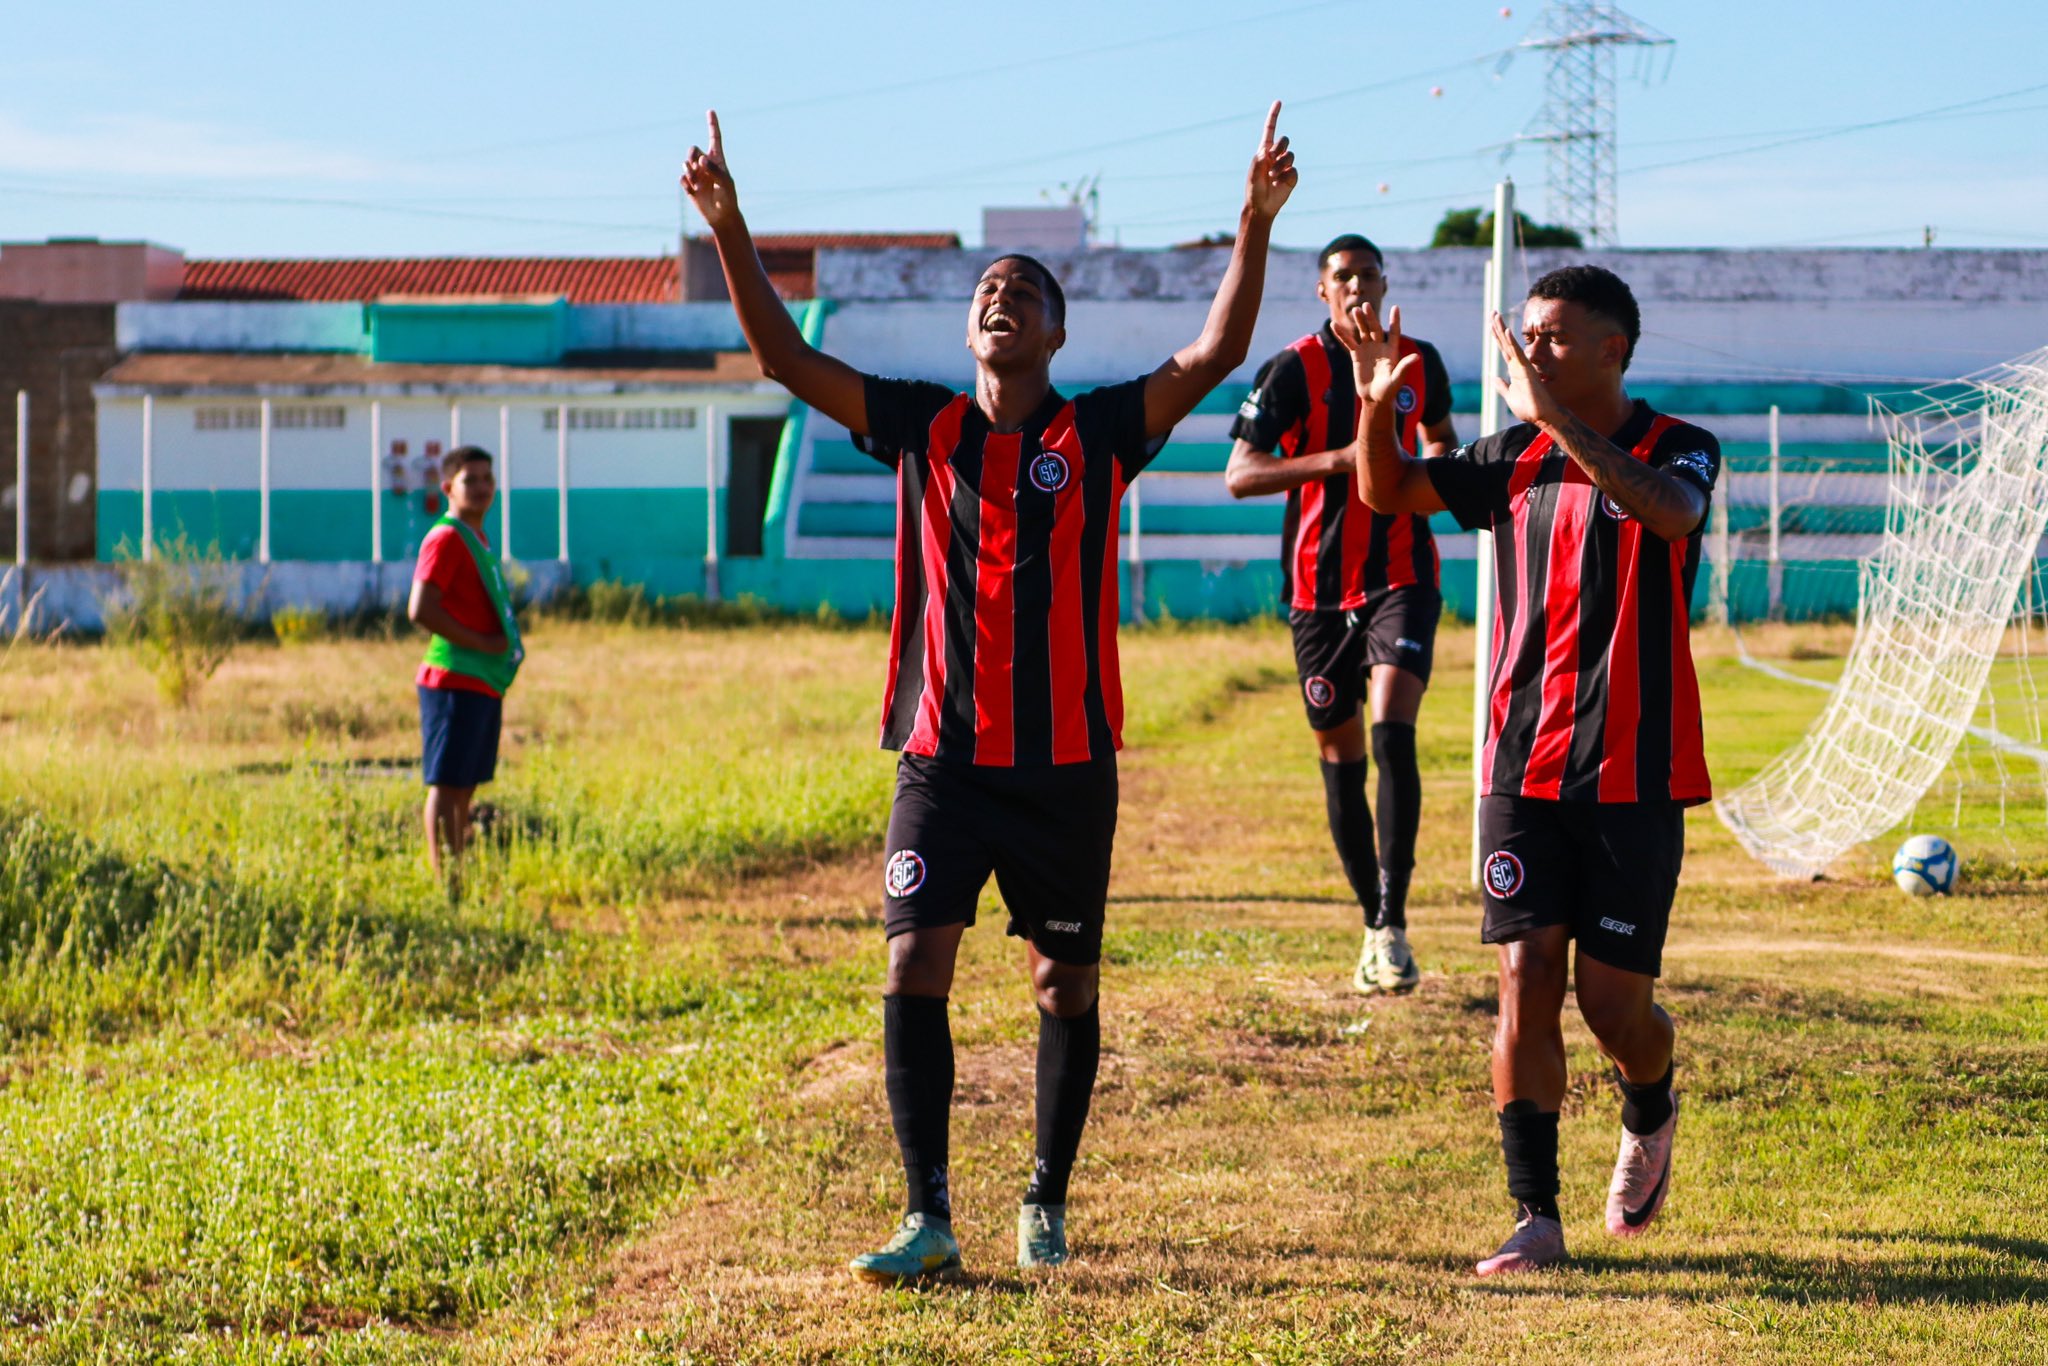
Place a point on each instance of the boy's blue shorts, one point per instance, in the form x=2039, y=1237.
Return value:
x=459, y=736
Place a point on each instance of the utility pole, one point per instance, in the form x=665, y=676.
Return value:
x=1577, y=121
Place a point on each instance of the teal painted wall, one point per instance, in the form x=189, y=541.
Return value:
x=606, y=526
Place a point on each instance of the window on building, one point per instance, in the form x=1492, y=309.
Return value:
x=248, y=417
x=329, y=417
x=621, y=419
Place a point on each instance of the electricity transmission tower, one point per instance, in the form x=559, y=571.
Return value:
x=1577, y=120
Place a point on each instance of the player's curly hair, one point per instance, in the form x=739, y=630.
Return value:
x=1055, y=296
x=1597, y=291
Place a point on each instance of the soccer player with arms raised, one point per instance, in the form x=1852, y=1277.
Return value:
x=1593, y=743
x=1361, y=588
x=1004, y=694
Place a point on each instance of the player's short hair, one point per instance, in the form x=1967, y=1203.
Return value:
x=1597, y=291
x=454, y=460
x=1349, y=241
x=1056, y=296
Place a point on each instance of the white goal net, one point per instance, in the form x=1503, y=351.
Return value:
x=1936, y=709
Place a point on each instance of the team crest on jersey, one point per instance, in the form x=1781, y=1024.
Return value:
x=1612, y=508
x=904, y=873
x=1049, y=471
x=1404, y=401
x=1318, y=690
x=1503, y=874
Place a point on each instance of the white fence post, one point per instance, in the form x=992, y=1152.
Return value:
x=21, y=477
x=711, y=453
x=148, y=476
x=504, y=481
x=1774, y=567
x=376, y=481
x=1137, y=551
x=263, y=487
x=562, y=481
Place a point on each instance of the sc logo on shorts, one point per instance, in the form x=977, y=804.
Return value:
x=903, y=874
x=1404, y=401
x=1049, y=471
x=1503, y=874
x=1319, y=691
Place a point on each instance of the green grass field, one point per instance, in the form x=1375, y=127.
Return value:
x=265, y=1096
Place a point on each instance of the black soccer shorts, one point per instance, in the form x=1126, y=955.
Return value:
x=1335, y=651
x=1045, y=832
x=1608, y=870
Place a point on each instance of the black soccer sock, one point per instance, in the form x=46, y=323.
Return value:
x=917, y=1060
x=1645, y=1108
x=1528, y=1140
x=1351, y=829
x=1400, y=815
x=1068, y=1053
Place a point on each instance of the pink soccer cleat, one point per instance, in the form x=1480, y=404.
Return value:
x=1642, y=1178
x=1537, y=1242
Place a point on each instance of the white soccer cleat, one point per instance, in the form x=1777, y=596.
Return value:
x=1398, y=971
x=1537, y=1242
x=1365, y=979
x=1642, y=1177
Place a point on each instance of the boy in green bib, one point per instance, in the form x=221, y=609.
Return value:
x=459, y=594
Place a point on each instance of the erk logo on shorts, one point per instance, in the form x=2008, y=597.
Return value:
x=1064, y=926
x=1609, y=923
x=1413, y=647
x=1049, y=471
x=1503, y=874
x=1319, y=691
x=903, y=874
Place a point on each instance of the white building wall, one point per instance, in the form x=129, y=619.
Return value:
x=1707, y=315
x=184, y=457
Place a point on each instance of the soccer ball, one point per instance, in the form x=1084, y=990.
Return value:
x=1925, y=865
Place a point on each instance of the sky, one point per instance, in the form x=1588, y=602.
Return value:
x=449, y=127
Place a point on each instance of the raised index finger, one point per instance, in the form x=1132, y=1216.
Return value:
x=1272, y=124
x=717, y=142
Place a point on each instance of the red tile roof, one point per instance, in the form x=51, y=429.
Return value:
x=585, y=280
x=789, y=258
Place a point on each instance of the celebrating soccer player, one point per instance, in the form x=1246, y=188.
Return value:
x=1593, y=740
x=1361, y=588
x=1004, y=693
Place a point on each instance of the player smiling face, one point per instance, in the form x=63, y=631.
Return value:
x=1576, y=352
x=1015, y=321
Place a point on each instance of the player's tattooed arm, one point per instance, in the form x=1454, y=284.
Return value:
x=1669, y=508
x=1173, y=390
x=826, y=383
x=1388, y=480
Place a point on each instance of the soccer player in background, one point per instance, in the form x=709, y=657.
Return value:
x=1360, y=587
x=1593, y=740
x=1004, y=694
x=459, y=595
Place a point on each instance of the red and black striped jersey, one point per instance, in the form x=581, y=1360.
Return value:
x=1003, y=646
x=1334, y=550
x=1593, y=695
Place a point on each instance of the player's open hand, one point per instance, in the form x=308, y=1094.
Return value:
x=1273, y=175
x=1527, y=397
x=708, y=183
x=1377, y=365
